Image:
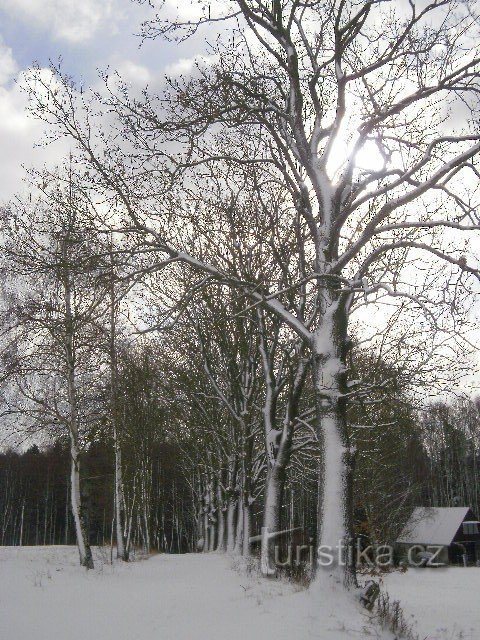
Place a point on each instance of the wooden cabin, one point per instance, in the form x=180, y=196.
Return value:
x=455, y=529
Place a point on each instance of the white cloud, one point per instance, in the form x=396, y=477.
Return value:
x=8, y=66
x=185, y=10
x=133, y=73
x=180, y=67
x=184, y=66
x=71, y=20
x=19, y=135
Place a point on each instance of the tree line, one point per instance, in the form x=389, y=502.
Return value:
x=177, y=504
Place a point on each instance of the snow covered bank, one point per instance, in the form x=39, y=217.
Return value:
x=45, y=595
x=444, y=603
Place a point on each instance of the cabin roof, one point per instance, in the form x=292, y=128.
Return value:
x=433, y=525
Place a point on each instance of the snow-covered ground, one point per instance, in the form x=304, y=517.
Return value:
x=45, y=595
x=443, y=603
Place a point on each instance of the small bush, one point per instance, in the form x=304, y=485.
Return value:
x=391, y=616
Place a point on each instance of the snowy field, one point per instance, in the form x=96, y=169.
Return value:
x=444, y=604
x=45, y=595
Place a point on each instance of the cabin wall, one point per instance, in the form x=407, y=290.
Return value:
x=468, y=537
x=402, y=552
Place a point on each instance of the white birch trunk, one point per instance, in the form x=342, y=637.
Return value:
x=84, y=550
x=122, y=550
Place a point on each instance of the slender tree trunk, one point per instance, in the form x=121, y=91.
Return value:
x=239, y=528
x=45, y=518
x=278, y=451
x=211, y=537
x=231, y=509
x=130, y=517
x=84, y=550
x=232, y=503
x=37, y=522
x=67, y=510
x=213, y=517
x=122, y=550
x=220, y=519
x=200, y=533
x=206, y=524
x=247, y=528
x=21, y=524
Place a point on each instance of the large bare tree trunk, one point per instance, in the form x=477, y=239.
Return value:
x=271, y=517
x=335, y=521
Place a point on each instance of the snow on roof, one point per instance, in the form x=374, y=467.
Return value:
x=433, y=525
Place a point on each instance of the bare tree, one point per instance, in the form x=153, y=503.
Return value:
x=51, y=337
x=315, y=88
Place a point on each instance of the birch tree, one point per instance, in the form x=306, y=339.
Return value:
x=50, y=333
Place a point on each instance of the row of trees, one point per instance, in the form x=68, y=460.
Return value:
x=183, y=490
x=303, y=197
x=35, y=500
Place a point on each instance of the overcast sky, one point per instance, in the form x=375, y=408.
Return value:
x=88, y=35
